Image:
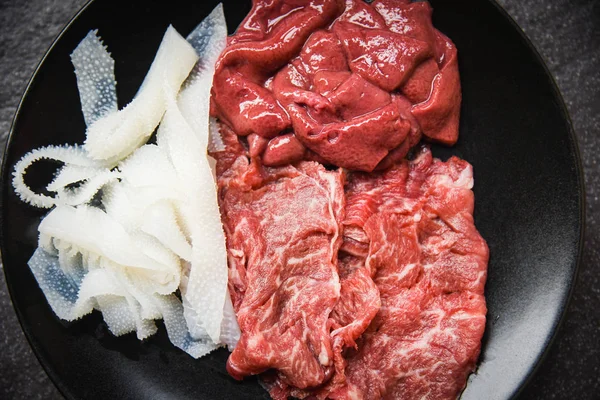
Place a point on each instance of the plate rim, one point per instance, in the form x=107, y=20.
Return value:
x=574, y=147
x=63, y=388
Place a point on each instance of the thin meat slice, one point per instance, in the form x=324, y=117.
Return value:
x=429, y=264
x=358, y=304
x=283, y=230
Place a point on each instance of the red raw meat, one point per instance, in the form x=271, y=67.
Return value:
x=429, y=264
x=358, y=304
x=283, y=230
x=397, y=313
x=350, y=83
x=298, y=306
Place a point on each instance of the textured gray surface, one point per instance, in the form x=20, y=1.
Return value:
x=566, y=33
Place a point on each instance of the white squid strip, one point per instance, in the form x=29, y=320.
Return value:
x=230, y=330
x=161, y=222
x=95, y=72
x=93, y=230
x=183, y=134
x=87, y=190
x=179, y=334
x=150, y=167
x=60, y=290
x=209, y=40
x=118, y=134
x=117, y=314
x=207, y=285
x=71, y=174
x=98, y=289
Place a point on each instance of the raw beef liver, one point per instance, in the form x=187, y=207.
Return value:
x=347, y=83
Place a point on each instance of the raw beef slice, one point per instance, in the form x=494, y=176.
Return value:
x=283, y=229
x=356, y=307
x=429, y=264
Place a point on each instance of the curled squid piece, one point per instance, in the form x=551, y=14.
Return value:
x=85, y=192
x=79, y=167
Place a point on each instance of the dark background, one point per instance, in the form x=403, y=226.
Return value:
x=565, y=32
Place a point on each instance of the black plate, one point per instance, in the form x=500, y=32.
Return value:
x=514, y=130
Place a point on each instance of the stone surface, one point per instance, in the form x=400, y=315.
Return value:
x=565, y=32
